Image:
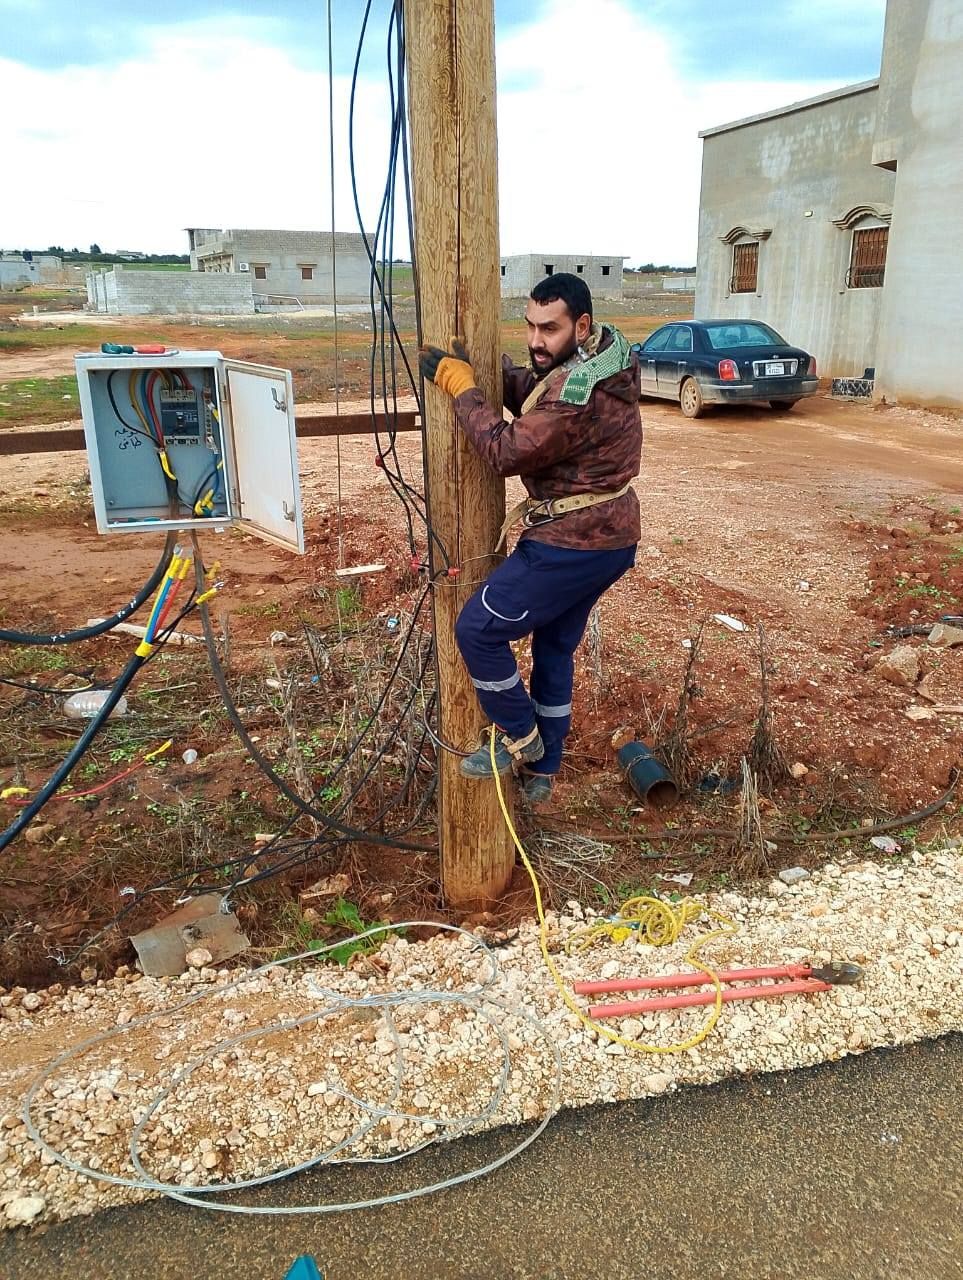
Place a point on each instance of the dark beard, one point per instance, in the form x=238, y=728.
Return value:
x=542, y=371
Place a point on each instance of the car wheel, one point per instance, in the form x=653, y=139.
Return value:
x=690, y=399
x=782, y=404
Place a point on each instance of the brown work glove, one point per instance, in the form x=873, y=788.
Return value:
x=450, y=370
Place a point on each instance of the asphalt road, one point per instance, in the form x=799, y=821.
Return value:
x=851, y=1171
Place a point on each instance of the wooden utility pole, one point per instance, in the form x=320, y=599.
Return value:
x=451, y=96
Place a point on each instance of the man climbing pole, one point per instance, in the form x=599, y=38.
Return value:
x=576, y=442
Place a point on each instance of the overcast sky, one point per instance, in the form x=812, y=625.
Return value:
x=123, y=124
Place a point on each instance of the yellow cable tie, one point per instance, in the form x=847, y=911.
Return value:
x=9, y=792
x=144, y=650
x=159, y=751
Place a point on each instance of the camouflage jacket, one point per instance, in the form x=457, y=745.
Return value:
x=559, y=449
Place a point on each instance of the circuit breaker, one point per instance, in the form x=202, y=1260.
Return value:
x=185, y=439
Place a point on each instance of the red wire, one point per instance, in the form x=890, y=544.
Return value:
x=158, y=429
x=175, y=587
x=74, y=795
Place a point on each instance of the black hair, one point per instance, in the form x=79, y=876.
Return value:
x=566, y=288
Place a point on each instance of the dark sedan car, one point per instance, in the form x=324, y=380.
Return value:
x=705, y=362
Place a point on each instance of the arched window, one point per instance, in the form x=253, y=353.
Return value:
x=869, y=226
x=867, y=259
x=745, y=267
x=745, y=241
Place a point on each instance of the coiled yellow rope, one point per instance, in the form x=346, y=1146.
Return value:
x=656, y=922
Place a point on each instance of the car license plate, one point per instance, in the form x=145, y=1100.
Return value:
x=775, y=370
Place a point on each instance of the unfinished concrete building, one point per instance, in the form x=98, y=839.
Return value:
x=17, y=271
x=293, y=267
x=837, y=220
x=521, y=272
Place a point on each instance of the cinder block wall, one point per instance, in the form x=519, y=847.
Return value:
x=144, y=293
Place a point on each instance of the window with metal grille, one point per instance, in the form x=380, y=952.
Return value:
x=867, y=265
x=307, y=273
x=745, y=267
x=260, y=272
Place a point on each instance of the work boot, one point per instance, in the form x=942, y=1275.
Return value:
x=536, y=787
x=508, y=752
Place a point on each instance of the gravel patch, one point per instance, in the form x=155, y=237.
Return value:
x=433, y=1068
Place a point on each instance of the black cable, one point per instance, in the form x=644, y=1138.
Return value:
x=220, y=679
x=56, y=781
x=42, y=688
x=88, y=633
x=138, y=431
x=403, y=490
x=205, y=485
x=292, y=853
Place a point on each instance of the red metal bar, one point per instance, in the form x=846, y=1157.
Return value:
x=691, y=979
x=626, y=1008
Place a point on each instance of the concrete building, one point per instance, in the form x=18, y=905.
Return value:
x=16, y=271
x=839, y=220
x=918, y=138
x=785, y=197
x=125, y=292
x=292, y=266
x=521, y=272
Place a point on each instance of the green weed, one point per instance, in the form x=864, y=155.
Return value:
x=29, y=660
x=267, y=609
x=347, y=601
x=346, y=915
x=26, y=400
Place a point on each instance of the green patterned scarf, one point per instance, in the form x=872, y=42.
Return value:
x=585, y=376
x=586, y=369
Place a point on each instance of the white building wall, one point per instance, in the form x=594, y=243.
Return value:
x=522, y=272
x=282, y=256
x=922, y=135
x=16, y=273
x=678, y=284
x=785, y=179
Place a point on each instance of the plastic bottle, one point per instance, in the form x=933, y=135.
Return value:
x=84, y=706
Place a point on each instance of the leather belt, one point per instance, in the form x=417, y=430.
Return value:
x=532, y=512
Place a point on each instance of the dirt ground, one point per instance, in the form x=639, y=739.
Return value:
x=823, y=525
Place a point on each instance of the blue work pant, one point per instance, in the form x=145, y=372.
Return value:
x=548, y=593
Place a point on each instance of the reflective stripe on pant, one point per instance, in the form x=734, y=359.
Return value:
x=546, y=592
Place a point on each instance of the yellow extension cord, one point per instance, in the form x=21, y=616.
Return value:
x=654, y=921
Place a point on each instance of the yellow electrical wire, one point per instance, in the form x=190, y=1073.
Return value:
x=659, y=923
x=653, y=920
x=132, y=393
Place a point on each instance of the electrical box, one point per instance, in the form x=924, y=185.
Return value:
x=188, y=439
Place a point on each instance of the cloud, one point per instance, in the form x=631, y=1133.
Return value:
x=206, y=128
x=598, y=145
x=209, y=123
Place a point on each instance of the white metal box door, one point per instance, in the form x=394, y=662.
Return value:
x=261, y=407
